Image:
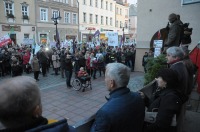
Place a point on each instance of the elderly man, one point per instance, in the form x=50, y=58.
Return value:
x=174, y=57
x=124, y=111
x=20, y=107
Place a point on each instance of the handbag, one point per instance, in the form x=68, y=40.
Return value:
x=150, y=117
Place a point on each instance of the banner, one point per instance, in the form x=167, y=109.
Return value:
x=5, y=40
x=112, y=38
x=27, y=41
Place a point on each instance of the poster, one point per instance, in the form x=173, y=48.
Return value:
x=158, y=43
x=27, y=41
x=157, y=52
x=112, y=38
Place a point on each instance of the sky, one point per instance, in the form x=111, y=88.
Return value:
x=132, y=1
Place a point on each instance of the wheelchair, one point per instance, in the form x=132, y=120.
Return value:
x=81, y=83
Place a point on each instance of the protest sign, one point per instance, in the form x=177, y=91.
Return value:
x=112, y=38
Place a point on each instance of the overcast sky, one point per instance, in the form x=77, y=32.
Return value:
x=132, y=1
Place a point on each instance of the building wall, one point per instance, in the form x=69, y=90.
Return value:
x=153, y=15
x=86, y=8
x=26, y=26
x=48, y=27
x=133, y=27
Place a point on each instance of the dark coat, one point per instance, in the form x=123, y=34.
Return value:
x=183, y=76
x=173, y=35
x=167, y=102
x=124, y=112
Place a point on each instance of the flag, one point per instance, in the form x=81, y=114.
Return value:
x=159, y=34
x=97, y=33
x=122, y=40
x=195, y=58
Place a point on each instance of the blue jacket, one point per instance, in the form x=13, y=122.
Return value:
x=124, y=112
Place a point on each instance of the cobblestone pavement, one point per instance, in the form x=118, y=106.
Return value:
x=59, y=102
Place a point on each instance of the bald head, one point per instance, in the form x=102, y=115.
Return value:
x=19, y=97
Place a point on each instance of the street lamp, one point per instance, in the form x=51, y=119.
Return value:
x=55, y=18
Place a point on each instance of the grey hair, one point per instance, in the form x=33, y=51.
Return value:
x=19, y=98
x=175, y=52
x=119, y=73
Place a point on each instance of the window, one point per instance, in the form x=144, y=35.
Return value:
x=67, y=17
x=74, y=18
x=84, y=17
x=66, y=1
x=96, y=19
x=111, y=7
x=120, y=11
x=106, y=5
x=121, y=25
x=96, y=3
x=106, y=20
x=90, y=2
x=185, y=2
x=43, y=14
x=9, y=8
x=111, y=21
x=26, y=35
x=117, y=10
x=91, y=18
x=116, y=24
x=72, y=2
x=84, y=2
x=101, y=4
x=102, y=20
x=24, y=10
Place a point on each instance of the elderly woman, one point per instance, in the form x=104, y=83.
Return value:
x=166, y=100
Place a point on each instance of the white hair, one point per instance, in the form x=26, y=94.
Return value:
x=119, y=72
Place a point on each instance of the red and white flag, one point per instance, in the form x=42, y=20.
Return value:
x=5, y=40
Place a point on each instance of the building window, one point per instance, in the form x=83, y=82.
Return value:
x=116, y=24
x=185, y=2
x=84, y=17
x=106, y=20
x=91, y=18
x=66, y=1
x=117, y=10
x=111, y=7
x=102, y=20
x=111, y=21
x=67, y=17
x=72, y=2
x=96, y=3
x=43, y=14
x=96, y=19
x=24, y=10
x=26, y=35
x=74, y=18
x=106, y=5
x=101, y=4
x=90, y=2
x=84, y=2
x=55, y=13
x=9, y=8
x=120, y=11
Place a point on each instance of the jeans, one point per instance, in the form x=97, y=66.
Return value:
x=68, y=75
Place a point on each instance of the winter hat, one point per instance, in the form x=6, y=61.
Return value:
x=170, y=76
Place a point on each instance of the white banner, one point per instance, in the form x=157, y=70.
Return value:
x=52, y=44
x=112, y=38
x=158, y=43
x=27, y=41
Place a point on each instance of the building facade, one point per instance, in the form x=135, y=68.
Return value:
x=96, y=15
x=122, y=18
x=133, y=23
x=17, y=18
x=153, y=15
x=67, y=26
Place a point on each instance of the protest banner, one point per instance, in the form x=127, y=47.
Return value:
x=112, y=38
x=27, y=41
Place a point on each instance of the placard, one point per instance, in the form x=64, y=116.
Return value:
x=112, y=38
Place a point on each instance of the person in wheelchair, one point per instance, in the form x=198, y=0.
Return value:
x=83, y=75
